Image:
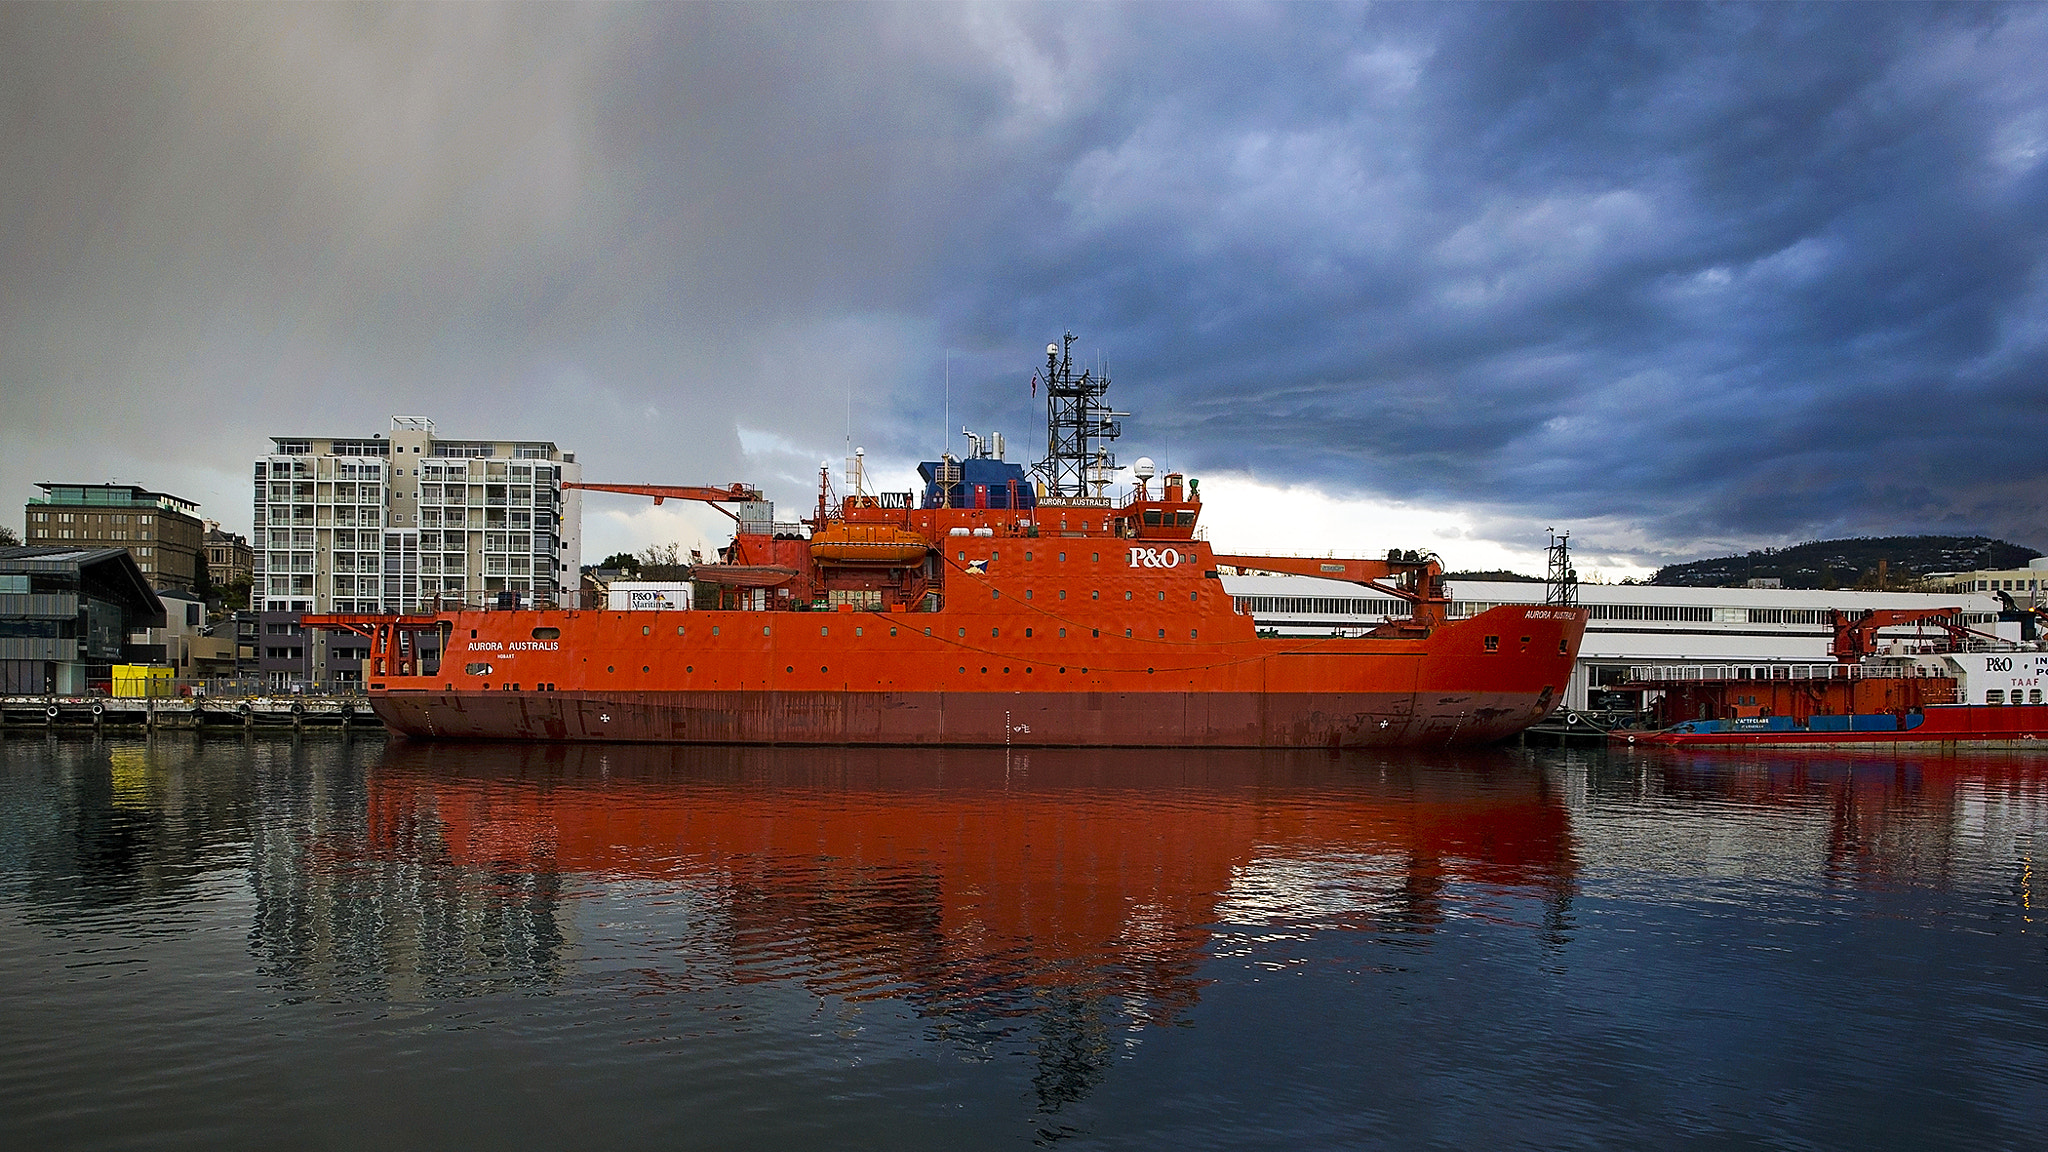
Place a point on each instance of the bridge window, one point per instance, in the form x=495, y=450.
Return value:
x=1152, y=517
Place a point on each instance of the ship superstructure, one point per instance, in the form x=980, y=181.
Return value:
x=991, y=607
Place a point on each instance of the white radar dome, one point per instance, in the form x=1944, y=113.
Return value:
x=1143, y=469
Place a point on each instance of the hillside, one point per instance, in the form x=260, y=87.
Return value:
x=1850, y=563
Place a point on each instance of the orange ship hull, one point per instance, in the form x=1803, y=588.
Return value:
x=986, y=677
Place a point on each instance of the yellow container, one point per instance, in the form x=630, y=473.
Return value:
x=140, y=680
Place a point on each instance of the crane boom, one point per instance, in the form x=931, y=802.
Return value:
x=1856, y=633
x=730, y=494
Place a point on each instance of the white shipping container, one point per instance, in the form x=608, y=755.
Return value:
x=647, y=596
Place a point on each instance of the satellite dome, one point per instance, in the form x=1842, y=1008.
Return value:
x=1143, y=468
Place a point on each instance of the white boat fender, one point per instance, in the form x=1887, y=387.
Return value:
x=51, y=711
x=99, y=709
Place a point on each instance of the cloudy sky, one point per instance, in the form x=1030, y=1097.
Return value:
x=1678, y=279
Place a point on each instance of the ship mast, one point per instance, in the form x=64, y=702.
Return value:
x=1079, y=427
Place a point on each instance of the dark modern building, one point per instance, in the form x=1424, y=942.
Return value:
x=66, y=614
x=161, y=530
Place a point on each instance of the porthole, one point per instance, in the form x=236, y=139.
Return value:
x=609, y=668
x=1097, y=631
x=892, y=631
x=1063, y=593
x=1127, y=633
x=643, y=668
x=824, y=631
x=1027, y=557
x=1127, y=594
x=1027, y=593
x=1162, y=593
x=994, y=632
x=1162, y=633
x=995, y=594
x=1027, y=633
x=1063, y=633
x=646, y=630
x=689, y=668
x=679, y=629
x=823, y=668
x=963, y=633
x=789, y=668
x=547, y=633
x=984, y=670
x=1095, y=595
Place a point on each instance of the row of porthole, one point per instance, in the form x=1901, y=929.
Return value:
x=1095, y=633
x=997, y=594
x=1028, y=671
x=789, y=668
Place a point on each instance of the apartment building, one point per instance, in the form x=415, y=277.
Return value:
x=400, y=521
x=158, y=529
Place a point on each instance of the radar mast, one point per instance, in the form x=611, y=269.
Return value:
x=1079, y=427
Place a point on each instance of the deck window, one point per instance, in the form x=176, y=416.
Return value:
x=1995, y=696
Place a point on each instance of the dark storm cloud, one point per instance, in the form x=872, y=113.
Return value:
x=1680, y=274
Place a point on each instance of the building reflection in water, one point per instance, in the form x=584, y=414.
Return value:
x=1061, y=897
x=1863, y=821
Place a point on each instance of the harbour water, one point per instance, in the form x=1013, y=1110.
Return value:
x=339, y=941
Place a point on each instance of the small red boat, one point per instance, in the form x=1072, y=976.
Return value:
x=1962, y=689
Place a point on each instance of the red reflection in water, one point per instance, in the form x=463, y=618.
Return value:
x=873, y=872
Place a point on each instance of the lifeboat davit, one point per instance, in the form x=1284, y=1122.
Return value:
x=868, y=544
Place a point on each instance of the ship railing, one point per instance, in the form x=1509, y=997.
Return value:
x=1705, y=673
x=211, y=688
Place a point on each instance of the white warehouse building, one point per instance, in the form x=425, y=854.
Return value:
x=1631, y=625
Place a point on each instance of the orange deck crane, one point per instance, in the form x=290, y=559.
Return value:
x=1856, y=632
x=730, y=494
